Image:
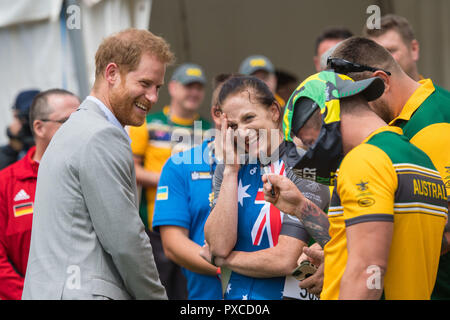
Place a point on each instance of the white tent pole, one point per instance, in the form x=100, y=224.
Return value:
x=78, y=53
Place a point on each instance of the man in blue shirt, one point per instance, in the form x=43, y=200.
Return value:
x=181, y=209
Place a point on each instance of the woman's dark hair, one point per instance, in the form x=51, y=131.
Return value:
x=257, y=90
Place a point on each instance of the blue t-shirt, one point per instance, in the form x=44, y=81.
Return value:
x=183, y=199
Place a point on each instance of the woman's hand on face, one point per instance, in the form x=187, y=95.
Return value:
x=225, y=147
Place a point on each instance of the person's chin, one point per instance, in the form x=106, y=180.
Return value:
x=138, y=116
x=137, y=122
x=192, y=106
x=253, y=152
x=263, y=153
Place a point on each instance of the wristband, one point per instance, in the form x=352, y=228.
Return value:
x=218, y=273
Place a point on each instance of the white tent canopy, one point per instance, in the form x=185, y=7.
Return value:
x=42, y=48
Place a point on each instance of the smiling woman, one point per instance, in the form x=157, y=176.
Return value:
x=244, y=233
x=251, y=110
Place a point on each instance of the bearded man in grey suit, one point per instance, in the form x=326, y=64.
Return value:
x=88, y=241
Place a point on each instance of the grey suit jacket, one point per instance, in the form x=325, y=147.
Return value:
x=88, y=241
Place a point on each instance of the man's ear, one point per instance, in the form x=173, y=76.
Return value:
x=386, y=79
x=112, y=73
x=38, y=128
x=415, y=50
x=172, y=87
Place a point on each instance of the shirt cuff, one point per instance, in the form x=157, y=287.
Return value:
x=295, y=231
x=369, y=218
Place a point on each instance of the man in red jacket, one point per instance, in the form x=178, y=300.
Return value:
x=49, y=110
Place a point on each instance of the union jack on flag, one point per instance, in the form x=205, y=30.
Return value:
x=270, y=218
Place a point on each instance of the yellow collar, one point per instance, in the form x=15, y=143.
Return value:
x=382, y=129
x=416, y=99
x=178, y=120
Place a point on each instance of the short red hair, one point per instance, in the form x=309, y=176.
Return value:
x=126, y=48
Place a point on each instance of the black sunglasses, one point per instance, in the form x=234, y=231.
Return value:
x=343, y=66
x=58, y=121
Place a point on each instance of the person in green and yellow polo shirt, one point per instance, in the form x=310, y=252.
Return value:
x=389, y=208
x=396, y=35
x=421, y=109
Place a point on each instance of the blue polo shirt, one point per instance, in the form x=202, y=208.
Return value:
x=183, y=199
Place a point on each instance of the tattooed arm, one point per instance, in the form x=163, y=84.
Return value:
x=290, y=200
x=315, y=221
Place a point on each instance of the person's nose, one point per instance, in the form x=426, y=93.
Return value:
x=152, y=95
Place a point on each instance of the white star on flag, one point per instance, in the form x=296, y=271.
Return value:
x=242, y=192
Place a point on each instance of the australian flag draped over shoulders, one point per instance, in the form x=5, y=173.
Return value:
x=259, y=226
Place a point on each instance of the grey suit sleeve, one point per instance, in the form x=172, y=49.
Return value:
x=108, y=185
